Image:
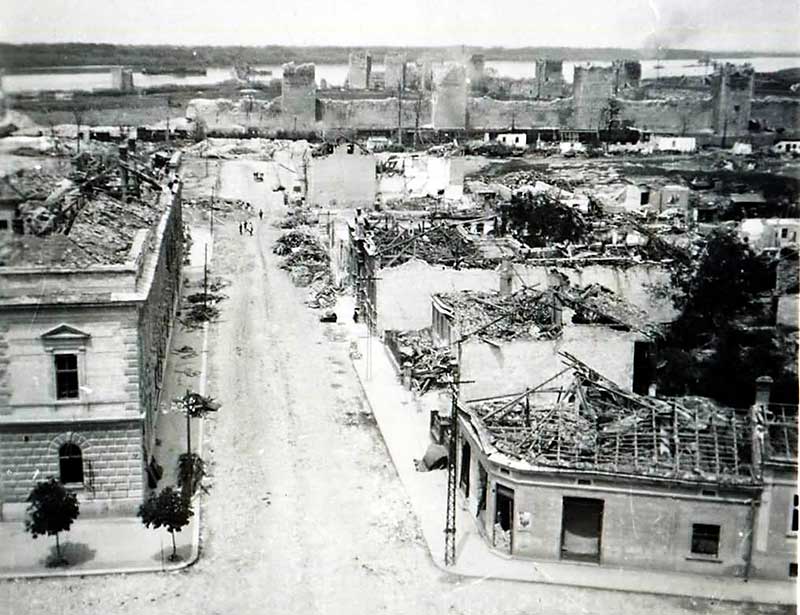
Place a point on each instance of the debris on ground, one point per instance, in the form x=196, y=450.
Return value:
x=430, y=365
x=307, y=263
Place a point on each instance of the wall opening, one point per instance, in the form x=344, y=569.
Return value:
x=581, y=529
x=465, y=463
x=70, y=463
x=504, y=518
x=66, y=366
x=483, y=480
x=705, y=539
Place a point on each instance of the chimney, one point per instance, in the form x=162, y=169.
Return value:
x=758, y=420
x=506, y=278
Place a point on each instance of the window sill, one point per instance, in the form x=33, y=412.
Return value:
x=75, y=486
x=72, y=401
x=696, y=557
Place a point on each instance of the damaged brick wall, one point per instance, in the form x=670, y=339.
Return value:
x=378, y=113
x=671, y=115
x=774, y=113
x=489, y=113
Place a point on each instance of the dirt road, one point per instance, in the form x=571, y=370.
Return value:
x=305, y=512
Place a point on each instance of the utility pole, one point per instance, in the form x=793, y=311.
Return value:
x=400, y=113
x=167, y=119
x=450, y=525
x=416, y=120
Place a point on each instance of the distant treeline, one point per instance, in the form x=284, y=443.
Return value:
x=17, y=58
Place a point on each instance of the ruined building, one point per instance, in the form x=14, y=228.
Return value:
x=449, y=98
x=585, y=471
x=88, y=296
x=298, y=96
x=732, y=94
x=592, y=87
x=121, y=79
x=628, y=75
x=359, y=70
x=549, y=79
x=394, y=65
x=476, y=71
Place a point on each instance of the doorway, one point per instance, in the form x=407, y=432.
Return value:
x=465, y=463
x=581, y=529
x=503, y=518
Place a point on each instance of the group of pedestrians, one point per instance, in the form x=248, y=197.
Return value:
x=247, y=225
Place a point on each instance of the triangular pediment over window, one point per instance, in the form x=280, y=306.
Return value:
x=65, y=332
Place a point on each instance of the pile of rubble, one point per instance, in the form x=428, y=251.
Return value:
x=431, y=366
x=595, y=304
x=254, y=149
x=489, y=315
x=306, y=260
x=296, y=218
x=223, y=206
x=322, y=294
x=442, y=244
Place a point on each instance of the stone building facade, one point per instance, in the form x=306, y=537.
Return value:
x=732, y=94
x=549, y=79
x=298, y=96
x=394, y=66
x=449, y=98
x=359, y=70
x=82, y=366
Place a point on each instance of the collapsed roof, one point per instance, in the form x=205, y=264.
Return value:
x=530, y=312
x=81, y=220
x=593, y=425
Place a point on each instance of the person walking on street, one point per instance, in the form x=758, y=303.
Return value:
x=240, y=228
x=260, y=214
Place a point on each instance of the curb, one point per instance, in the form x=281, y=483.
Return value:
x=466, y=575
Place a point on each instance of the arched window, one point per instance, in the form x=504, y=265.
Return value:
x=70, y=463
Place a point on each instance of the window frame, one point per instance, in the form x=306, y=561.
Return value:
x=66, y=353
x=702, y=554
x=794, y=515
x=79, y=456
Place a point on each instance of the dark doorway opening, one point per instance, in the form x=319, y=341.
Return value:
x=504, y=518
x=643, y=367
x=581, y=529
x=483, y=479
x=465, y=462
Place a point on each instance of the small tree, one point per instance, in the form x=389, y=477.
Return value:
x=191, y=470
x=52, y=510
x=167, y=509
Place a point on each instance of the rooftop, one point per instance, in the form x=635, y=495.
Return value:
x=81, y=219
x=529, y=313
x=593, y=425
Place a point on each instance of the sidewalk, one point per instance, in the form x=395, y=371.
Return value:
x=103, y=545
x=404, y=426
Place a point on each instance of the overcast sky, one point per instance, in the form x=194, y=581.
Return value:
x=709, y=24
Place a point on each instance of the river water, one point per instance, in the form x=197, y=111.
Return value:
x=335, y=74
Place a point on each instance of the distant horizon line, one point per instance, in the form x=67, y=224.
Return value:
x=640, y=50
